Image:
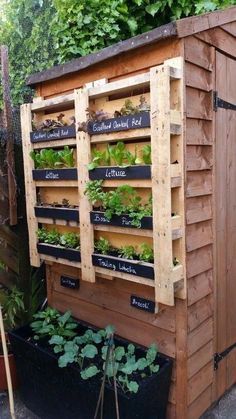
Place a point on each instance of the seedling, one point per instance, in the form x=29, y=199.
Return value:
x=68, y=240
x=102, y=246
x=127, y=252
x=146, y=253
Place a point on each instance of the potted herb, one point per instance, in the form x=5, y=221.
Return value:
x=127, y=259
x=13, y=309
x=54, y=165
x=59, y=245
x=121, y=206
x=74, y=362
x=128, y=117
x=52, y=129
x=117, y=162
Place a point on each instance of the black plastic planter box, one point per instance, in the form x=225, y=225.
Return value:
x=126, y=266
x=122, y=123
x=98, y=217
x=55, y=174
x=54, y=134
x=59, y=252
x=60, y=393
x=116, y=172
x=68, y=214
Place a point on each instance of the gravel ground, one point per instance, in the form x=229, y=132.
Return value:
x=224, y=409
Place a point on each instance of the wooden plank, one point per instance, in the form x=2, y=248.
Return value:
x=56, y=183
x=198, y=235
x=198, y=104
x=195, y=24
x=121, y=135
x=220, y=39
x=198, y=77
x=124, y=276
x=198, y=209
x=7, y=279
x=200, y=286
x=83, y=159
x=53, y=102
x=8, y=119
x=230, y=28
x=59, y=260
x=199, y=312
x=9, y=236
x=199, y=53
x=200, y=381
x=181, y=358
x=115, y=296
x=201, y=404
x=200, y=336
x=198, y=183
x=198, y=360
x=54, y=143
x=30, y=189
x=161, y=184
x=127, y=327
x=199, y=261
x=9, y=257
x=198, y=132
x=57, y=222
x=199, y=157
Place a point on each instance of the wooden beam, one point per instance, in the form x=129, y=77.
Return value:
x=83, y=159
x=8, y=123
x=53, y=102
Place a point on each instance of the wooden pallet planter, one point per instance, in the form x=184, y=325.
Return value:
x=52, y=135
x=157, y=127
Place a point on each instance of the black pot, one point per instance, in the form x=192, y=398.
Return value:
x=59, y=252
x=98, y=217
x=68, y=214
x=60, y=393
x=123, y=173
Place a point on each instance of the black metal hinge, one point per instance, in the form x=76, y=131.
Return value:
x=220, y=103
x=219, y=356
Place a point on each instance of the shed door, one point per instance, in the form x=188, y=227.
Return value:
x=225, y=190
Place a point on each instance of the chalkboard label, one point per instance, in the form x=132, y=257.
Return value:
x=54, y=134
x=131, y=172
x=124, y=266
x=68, y=282
x=98, y=217
x=55, y=174
x=123, y=123
x=142, y=304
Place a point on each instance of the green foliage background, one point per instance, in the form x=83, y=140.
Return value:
x=40, y=33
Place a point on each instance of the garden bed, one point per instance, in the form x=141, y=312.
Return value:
x=52, y=392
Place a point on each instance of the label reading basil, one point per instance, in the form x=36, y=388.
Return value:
x=142, y=304
x=68, y=282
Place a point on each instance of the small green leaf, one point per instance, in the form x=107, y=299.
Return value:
x=89, y=351
x=89, y=372
x=133, y=386
x=56, y=340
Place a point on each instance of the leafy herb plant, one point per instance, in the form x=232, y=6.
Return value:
x=50, y=323
x=146, y=253
x=69, y=240
x=47, y=158
x=127, y=252
x=102, y=246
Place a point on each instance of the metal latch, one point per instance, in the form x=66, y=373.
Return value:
x=219, y=356
x=220, y=103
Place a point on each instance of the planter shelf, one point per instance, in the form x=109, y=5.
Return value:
x=117, y=172
x=68, y=214
x=54, y=134
x=98, y=217
x=126, y=266
x=59, y=252
x=122, y=123
x=55, y=174
x=44, y=384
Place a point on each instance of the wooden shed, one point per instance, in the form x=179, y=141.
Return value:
x=186, y=71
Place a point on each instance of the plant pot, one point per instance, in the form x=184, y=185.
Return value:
x=98, y=217
x=119, y=172
x=122, y=123
x=55, y=174
x=130, y=267
x=59, y=252
x=54, y=134
x=68, y=214
x=3, y=377
x=58, y=393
